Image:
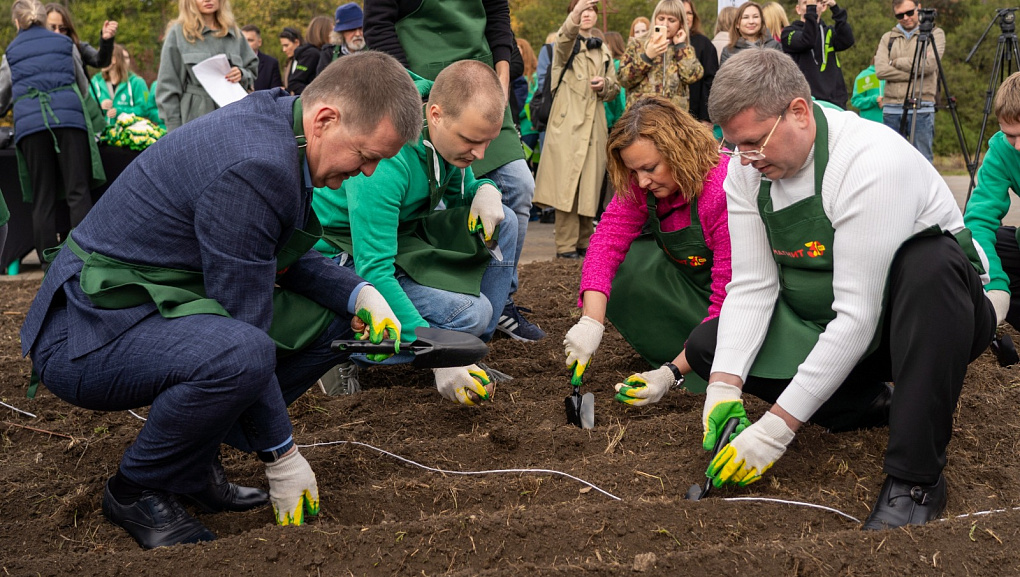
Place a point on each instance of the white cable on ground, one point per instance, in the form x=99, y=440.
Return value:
x=17, y=409
x=491, y=471
x=980, y=513
x=137, y=416
x=800, y=503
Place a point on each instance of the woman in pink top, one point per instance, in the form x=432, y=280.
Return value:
x=655, y=286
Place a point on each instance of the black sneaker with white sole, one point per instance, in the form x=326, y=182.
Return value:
x=513, y=324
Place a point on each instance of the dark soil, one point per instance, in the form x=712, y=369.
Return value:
x=383, y=517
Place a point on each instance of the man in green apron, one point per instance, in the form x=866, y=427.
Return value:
x=429, y=35
x=851, y=267
x=431, y=262
x=193, y=289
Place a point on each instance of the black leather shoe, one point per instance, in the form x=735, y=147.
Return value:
x=876, y=415
x=582, y=251
x=571, y=255
x=221, y=495
x=156, y=519
x=901, y=503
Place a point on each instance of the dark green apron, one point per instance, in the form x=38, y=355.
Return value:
x=113, y=284
x=441, y=32
x=801, y=238
x=97, y=173
x=661, y=291
x=434, y=247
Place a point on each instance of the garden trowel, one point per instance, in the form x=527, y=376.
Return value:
x=433, y=348
x=696, y=491
x=580, y=408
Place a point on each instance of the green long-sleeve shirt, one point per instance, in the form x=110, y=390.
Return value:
x=999, y=172
x=373, y=208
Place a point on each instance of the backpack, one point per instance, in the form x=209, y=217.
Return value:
x=541, y=102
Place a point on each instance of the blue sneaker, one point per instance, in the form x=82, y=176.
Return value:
x=513, y=324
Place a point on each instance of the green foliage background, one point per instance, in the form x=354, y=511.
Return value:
x=142, y=23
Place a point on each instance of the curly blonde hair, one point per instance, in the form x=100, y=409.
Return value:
x=686, y=146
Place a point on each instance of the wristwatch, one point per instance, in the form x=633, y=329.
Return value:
x=275, y=454
x=678, y=378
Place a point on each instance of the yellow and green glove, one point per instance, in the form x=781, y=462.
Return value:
x=486, y=211
x=380, y=322
x=645, y=388
x=580, y=344
x=722, y=403
x=454, y=383
x=292, y=489
x=752, y=453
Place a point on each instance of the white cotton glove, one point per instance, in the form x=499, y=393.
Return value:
x=1000, y=302
x=644, y=388
x=455, y=382
x=580, y=344
x=722, y=403
x=752, y=453
x=292, y=489
x=380, y=322
x=486, y=211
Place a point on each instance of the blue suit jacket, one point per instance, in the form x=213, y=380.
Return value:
x=269, y=73
x=221, y=195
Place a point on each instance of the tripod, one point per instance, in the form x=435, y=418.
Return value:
x=1006, y=50
x=915, y=86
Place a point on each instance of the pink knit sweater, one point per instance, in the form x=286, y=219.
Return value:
x=622, y=221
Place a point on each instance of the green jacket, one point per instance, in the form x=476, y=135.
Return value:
x=131, y=97
x=867, y=89
x=374, y=208
x=999, y=172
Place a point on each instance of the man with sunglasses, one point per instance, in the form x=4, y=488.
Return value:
x=894, y=60
x=851, y=268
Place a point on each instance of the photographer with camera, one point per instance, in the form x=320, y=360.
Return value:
x=813, y=45
x=894, y=63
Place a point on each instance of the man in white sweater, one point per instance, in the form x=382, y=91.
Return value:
x=851, y=267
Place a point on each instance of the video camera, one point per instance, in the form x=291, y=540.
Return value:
x=927, y=17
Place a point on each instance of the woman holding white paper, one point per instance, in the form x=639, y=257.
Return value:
x=203, y=28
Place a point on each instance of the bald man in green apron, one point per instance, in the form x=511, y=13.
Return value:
x=851, y=268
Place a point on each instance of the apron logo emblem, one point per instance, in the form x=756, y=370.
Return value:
x=696, y=261
x=815, y=248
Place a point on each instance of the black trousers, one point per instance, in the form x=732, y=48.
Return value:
x=53, y=174
x=937, y=320
x=1009, y=253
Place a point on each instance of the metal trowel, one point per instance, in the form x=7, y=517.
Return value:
x=696, y=491
x=580, y=408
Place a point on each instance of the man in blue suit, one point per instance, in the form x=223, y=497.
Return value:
x=164, y=295
x=269, y=67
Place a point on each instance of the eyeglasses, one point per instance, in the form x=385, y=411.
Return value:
x=61, y=29
x=907, y=14
x=752, y=155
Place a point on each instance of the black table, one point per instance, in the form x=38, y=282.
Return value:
x=19, y=232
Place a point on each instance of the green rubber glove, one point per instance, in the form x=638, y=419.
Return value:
x=722, y=403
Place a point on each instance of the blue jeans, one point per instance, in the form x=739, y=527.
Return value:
x=924, y=131
x=209, y=379
x=517, y=185
x=443, y=309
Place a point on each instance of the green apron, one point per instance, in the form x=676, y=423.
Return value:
x=661, y=291
x=801, y=238
x=98, y=175
x=441, y=32
x=113, y=284
x=434, y=248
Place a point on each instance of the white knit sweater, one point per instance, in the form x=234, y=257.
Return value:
x=878, y=191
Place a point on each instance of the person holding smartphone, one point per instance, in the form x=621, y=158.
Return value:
x=812, y=44
x=662, y=63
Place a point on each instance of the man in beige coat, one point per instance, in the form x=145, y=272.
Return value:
x=894, y=59
x=574, y=154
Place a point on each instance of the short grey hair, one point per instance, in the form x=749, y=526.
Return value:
x=761, y=78
x=368, y=88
